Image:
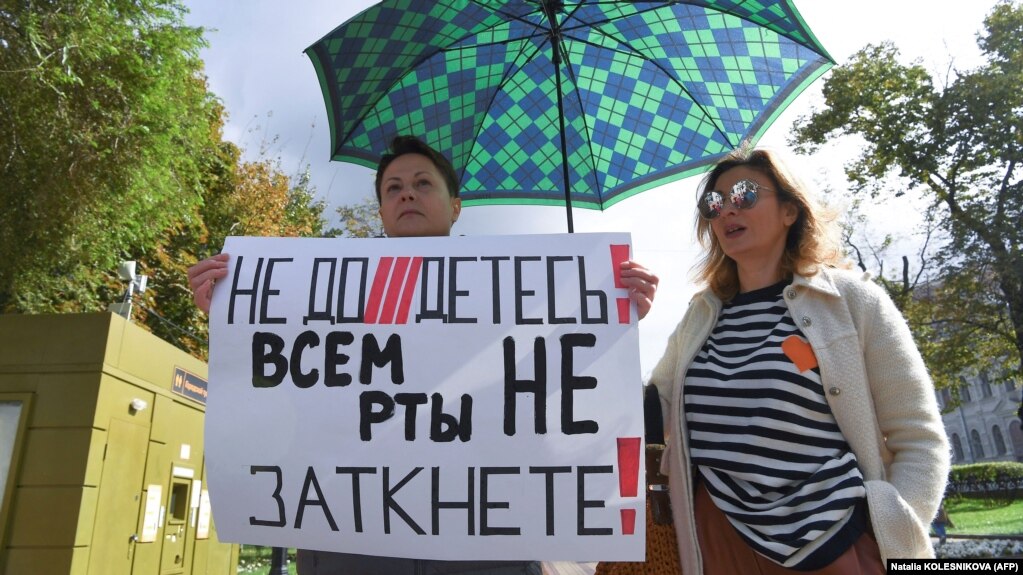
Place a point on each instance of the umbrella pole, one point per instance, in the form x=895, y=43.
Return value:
x=564, y=154
x=555, y=45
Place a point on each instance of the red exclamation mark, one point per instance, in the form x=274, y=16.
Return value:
x=619, y=254
x=628, y=478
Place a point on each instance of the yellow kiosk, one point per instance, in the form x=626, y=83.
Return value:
x=101, y=452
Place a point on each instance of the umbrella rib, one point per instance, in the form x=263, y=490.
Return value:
x=509, y=72
x=508, y=17
x=426, y=56
x=586, y=128
x=815, y=47
x=594, y=27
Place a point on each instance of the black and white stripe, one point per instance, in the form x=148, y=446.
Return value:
x=763, y=438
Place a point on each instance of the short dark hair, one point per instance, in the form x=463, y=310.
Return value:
x=402, y=145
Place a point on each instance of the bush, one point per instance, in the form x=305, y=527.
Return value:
x=978, y=549
x=998, y=479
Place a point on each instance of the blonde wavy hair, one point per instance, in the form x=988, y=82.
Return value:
x=813, y=240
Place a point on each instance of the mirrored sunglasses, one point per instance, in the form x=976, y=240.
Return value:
x=743, y=196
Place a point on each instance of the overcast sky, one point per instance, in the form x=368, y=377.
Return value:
x=256, y=66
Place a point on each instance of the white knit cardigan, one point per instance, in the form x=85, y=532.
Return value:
x=877, y=386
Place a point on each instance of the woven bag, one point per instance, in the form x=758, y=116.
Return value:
x=661, y=545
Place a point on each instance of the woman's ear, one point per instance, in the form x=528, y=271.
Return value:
x=789, y=214
x=456, y=209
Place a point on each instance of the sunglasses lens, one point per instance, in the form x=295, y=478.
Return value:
x=744, y=194
x=711, y=203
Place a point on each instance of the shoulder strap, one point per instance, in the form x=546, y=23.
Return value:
x=653, y=421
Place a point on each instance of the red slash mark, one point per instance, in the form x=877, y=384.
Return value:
x=628, y=478
x=390, y=298
x=410, y=288
x=376, y=293
x=619, y=254
x=394, y=286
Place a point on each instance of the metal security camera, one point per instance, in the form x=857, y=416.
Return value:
x=136, y=284
x=126, y=271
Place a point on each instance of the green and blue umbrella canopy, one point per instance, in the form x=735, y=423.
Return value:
x=555, y=102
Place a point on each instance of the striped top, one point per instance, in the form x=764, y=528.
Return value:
x=763, y=439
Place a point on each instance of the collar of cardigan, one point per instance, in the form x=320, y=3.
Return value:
x=820, y=281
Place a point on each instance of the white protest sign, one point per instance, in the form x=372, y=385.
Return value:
x=433, y=398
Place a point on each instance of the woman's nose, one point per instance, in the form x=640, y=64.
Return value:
x=728, y=208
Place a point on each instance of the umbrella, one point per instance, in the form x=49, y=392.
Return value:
x=555, y=102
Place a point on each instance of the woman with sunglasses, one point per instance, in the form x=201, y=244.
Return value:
x=803, y=433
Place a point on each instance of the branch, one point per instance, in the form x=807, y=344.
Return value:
x=30, y=68
x=984, y=231
x=975, y=327
x=878, y=259
x=859, y=255
x=942, y=181
x=905, y=275
x=1003, y=191
x=923, y=252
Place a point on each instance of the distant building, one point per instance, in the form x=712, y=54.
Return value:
x=986, y=425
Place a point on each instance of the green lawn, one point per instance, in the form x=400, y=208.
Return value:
x=265, y=568
x=985, y=516
x=254, y=560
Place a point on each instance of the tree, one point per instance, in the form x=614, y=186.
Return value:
x=928, y=305
x=242, y=198
x=111, y=148
x=359, y=220
x=959, y=146
x=104, y=121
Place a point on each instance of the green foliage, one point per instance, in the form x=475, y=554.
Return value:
x=241, y=198
x=992, y=480
x=991, y=471
x=103, y=118
x=303, y=213
x=959, y=146
x=111, y=148
x=359, y=220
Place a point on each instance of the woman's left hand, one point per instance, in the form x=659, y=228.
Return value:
x=642, y=285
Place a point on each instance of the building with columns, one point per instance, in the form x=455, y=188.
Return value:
x=985, y=426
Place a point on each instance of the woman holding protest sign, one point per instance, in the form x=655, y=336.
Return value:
x=803, y=432
x=417, y=189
